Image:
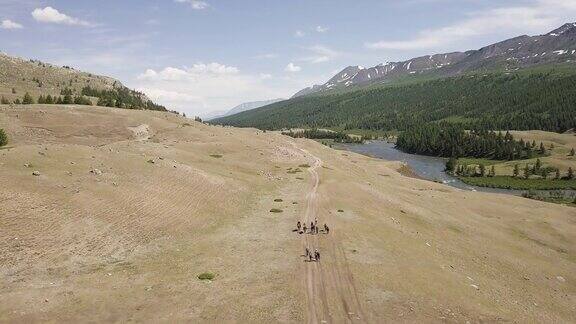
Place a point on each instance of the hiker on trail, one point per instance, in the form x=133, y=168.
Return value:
x=316, y=228
x=304, y=228
x=310, y=257
x=299, y=225
x=317, y=255
x=312, y=227
x=307, y=251
x=326, y=229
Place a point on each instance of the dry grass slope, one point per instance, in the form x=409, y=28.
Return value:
x=104, y=235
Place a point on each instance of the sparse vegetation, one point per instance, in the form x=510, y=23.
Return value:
x=276, y=210
x=278, y=200
x=507, y=182
x=556, y=196
x=340, y=210
x=216, y=156
x=306, y=165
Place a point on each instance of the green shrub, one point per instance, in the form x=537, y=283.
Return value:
x=278, y=200
x=3, y=138
x=276, y=210
x=206, y=276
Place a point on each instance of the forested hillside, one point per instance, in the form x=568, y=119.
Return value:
x=543, y=98
x=30, y=81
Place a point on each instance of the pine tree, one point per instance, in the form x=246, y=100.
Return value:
x=542, y=149
x=516, y=170
x=48, y=100
x=557, y=176
x=41, y=100
x=572, y=152
x=492, y=172
x=526, y=172
x=482, y=170
x=67, y=99
x=13, y=90
x=451, y=165
x=4, y=101
x=570, y=175
x=537, y=166
x=27, y=100
x=17, y=101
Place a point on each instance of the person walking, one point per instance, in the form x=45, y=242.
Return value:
x=299, y=225
x=326, y=229
x=317, y=255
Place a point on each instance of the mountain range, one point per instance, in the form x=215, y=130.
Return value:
x=523, y=83
x=242, y=107
x=556, y=46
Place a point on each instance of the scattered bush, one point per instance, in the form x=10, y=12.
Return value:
x=340, y=210
x=276, y=210
x=3, y=138
x=278, y=200
x=216, y=156
x=206, y=276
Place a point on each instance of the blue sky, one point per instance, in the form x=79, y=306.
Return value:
x=204, y=56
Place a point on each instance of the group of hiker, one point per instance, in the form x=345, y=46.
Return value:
x=302, y=228
x=314, y=228
x=312, y=256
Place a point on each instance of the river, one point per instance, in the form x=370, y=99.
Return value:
x=427, y=167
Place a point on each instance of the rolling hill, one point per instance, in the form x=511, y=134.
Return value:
x=19, y=76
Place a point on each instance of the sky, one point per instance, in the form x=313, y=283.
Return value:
x=205, y=56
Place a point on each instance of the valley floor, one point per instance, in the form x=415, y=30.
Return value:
x=129, y=207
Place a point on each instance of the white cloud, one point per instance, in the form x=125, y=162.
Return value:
x=299, y=34
x=531, y=18
x=322, y=29
x=291, y=67
x=195, y=4
x=201, y=88
x=53, y=16
x=9, y=24
x=180, y=74
x=266, y=56
x=321, y=54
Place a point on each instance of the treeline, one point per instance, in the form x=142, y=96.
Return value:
x=121, y=98
x=542, y=99
x=338, y=137
x=66, y=99
x=449, y=140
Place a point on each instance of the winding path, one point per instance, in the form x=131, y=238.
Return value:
x=330, y=290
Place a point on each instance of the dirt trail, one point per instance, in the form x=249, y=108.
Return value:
x=330, y=290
